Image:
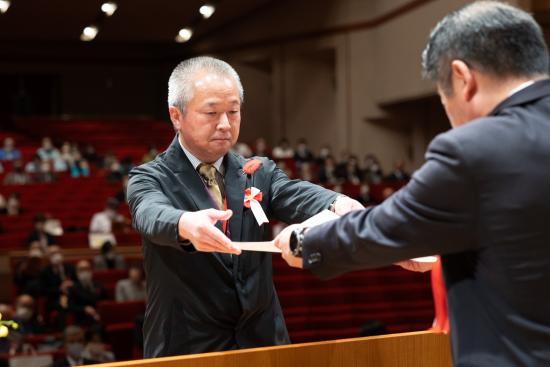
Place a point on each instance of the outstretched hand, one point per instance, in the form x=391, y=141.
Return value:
x=282, y=242
x=345, y=204
x=199, y=228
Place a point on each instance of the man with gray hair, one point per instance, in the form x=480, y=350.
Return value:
x=481, y=200
x=190, y=203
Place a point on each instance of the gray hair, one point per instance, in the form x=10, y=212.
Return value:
x=490, y=36
x=180, y=84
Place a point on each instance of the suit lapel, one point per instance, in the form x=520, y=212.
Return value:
x=235, y=182
x=192, y=185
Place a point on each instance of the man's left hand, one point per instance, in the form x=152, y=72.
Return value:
x=282, y=242
x=345, y=204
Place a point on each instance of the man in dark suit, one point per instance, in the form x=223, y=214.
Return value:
x=481, y=200
x=201, y=296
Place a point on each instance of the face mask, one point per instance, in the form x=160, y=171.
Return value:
x=23, y=313
x=84, y=276
x=110, y=256
x=74, y=350
x=56, y=259
x=35, y=253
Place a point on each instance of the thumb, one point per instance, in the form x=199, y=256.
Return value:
x=216, y=215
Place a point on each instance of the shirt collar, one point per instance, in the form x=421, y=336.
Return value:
x=197, y=162
x=520, y=87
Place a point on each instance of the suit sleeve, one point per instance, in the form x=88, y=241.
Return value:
x=293, y=201
x=433, y=214
x=152, y=212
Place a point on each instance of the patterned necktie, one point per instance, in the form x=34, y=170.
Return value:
x=208, y=173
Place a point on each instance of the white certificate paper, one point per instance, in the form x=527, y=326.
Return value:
x=269, y=246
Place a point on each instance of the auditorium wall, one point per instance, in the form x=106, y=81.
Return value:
x=372, y=66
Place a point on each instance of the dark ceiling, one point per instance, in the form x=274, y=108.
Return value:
x=135, y=21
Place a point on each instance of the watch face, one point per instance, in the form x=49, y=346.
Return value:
x=293, y=241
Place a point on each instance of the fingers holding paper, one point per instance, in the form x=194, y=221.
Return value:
x=199, y=228
x=282, y=241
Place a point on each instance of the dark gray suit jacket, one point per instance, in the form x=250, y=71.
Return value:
x=482, y=200
x=204, y=302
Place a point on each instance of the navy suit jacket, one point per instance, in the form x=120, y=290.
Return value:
x=204, y=302
x=482, y=201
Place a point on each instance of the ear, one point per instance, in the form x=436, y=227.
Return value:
x=175, y=117
x=464, y=80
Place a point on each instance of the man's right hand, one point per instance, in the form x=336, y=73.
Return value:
x=198, y=227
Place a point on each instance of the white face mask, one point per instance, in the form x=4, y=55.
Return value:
x=84, y=276
x=56, y=259
x=35, y=253
x=23, y=313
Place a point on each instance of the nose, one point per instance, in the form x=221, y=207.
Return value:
x=223, y=123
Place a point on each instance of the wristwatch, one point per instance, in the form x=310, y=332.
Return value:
x=295, y=241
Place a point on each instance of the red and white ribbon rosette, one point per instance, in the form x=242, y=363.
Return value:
x=252, y=198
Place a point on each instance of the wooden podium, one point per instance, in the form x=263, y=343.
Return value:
x=422, y=349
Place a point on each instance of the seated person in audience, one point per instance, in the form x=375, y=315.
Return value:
x=73, y=342
x=150, y=155
x=109, y=259
x=372, y=171
x=39, y=233
x=13, y=204
x=84, y=295
x=45, y=174
x=34, y=166
x=387, y=192
x=364, y=195
x=303, y=154
x=3, y=204
x=49, y=153
x=283, y=150
x=29, y=322
x=55, y=280
x=398, y=173
x=306, y=172
x=102, y=222
x=327, y=171
x=17, y=176
x=8, y=152
x=96, y=349
x=29, y=270
x=132, y=288
x=260, y=148
x=243, y=149
x=349, y=171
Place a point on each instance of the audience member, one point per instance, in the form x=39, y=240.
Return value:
x=73, y=340
x=56, y=279
x=150, y=155
x=324, y=153
x=398, y=173
x=49, y=153
x=28, y=320
x=243, y=149
x=45, y=174
x=84, y=295
x=131, y=288
x=34, y=166
x=13, y=204
x=17, y=176
x=89, y=154
x=372, y=171
x=327, y=171
x=306, y=172
x=349, y=170
x=39, y=233
x=283, y=150
x=8, y=152
x=28, y=271
x=260, y=148
x=96, y=349
x=303, y=154
x=102, y=222
x=364, y=195
x=108, y=259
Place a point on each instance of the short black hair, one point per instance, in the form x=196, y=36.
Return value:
x=490, y=36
